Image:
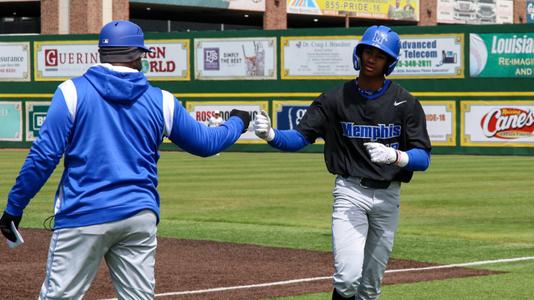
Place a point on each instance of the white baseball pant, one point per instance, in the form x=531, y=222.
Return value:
x=128, y=246
x=364, y=221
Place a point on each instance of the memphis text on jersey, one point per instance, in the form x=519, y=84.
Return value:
x=371, y=132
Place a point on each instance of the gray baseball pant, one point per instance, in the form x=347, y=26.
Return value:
x=128, y=246
x=364, y=221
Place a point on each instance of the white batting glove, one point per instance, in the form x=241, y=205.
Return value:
x=383, y=154
x=262, y=126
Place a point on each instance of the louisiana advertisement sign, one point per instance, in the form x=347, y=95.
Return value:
x=508, y=124
x=15, y=61
x=501, y=55
x=235, y=58
x=430, y=56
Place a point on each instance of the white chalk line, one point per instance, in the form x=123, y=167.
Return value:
x=286, y=282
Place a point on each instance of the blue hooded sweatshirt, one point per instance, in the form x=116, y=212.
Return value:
x=109, y=124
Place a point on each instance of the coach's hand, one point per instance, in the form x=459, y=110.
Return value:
x=5, y=225
x=243, y=115
x=381, y=153
x=262, y=126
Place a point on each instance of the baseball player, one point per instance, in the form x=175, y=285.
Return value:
x=108, y=124
x=216, y=119
x=375, y=137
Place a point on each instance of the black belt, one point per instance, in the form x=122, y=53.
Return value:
x=374, y=184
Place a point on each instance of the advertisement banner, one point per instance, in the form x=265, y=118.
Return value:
x=11, y=120
x=202, y=111
x=287, y=114
x=169, y=60
x=316, y=57
x=235, y=58
x=530, y=11
x=370, y=9
x=497, y=123
x=430, y=56
x=35, y=117
x=501, y=55
x=15, y=61
x=441, y=122
x=252, y=5
x=61, y=60
x=475, y=11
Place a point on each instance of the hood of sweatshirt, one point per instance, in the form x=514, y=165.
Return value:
x=114, y=85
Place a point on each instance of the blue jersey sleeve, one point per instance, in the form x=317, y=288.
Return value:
x=199, y=139
x=419, y=159
x=43, y=157
x=288, y=140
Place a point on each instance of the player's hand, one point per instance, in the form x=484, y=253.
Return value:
x=243, y=115
x=5, y=225
x=381, y=153
x=262, y=126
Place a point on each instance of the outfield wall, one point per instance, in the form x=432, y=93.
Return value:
x=476, y=83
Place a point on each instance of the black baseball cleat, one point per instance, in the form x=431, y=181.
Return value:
x=337, y=296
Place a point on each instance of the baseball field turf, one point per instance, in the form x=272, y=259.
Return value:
x=463, y=209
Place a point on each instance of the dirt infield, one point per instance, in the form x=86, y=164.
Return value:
x=187, y=266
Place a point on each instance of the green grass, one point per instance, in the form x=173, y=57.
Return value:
x=464, y=208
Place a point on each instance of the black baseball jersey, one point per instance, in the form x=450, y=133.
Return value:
x=346, y=120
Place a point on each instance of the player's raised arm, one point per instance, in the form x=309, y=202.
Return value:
x=195, y=137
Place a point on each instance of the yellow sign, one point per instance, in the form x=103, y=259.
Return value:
x=376, y=9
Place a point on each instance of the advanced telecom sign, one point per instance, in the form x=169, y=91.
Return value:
x=430, y=56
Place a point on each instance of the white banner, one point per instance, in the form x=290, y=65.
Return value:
x=202, y=111
x=316, y=57
x=235, y=58
x=169, y=60
x=475, y=12
x=505, y=123
x=430, y=56
x=440, y=122
x=61, y=60
x=255, y=5
x=15, y=61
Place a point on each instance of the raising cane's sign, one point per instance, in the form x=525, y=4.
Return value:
x=500, y=124
x=508, y=123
